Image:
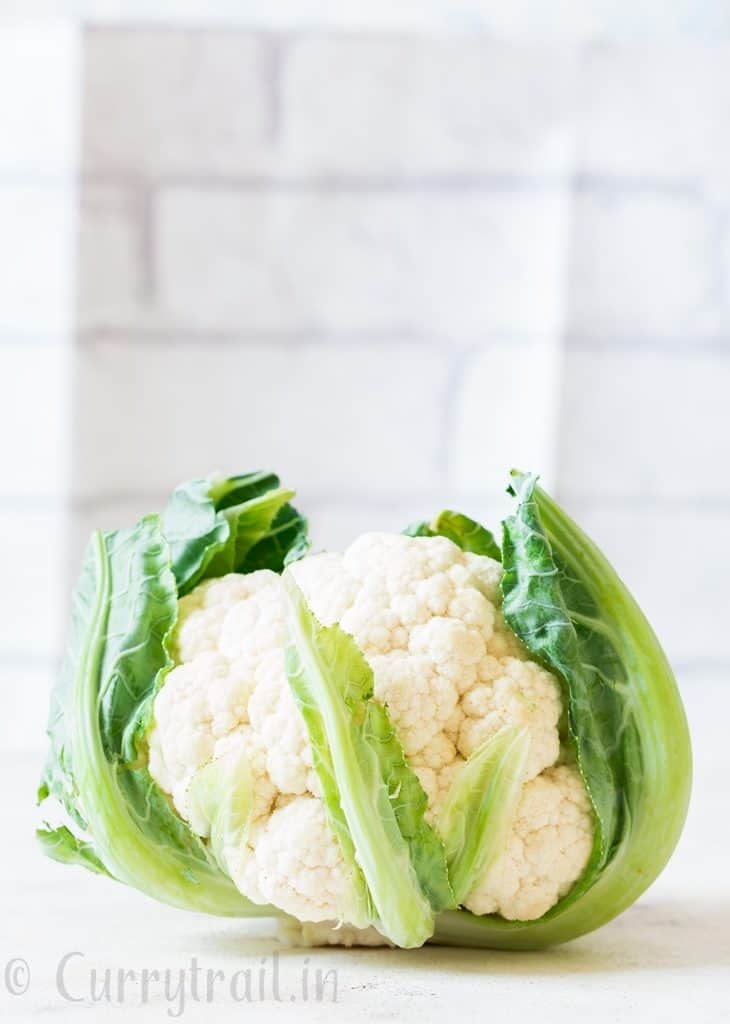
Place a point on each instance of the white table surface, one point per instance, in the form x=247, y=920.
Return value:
x=667, y=959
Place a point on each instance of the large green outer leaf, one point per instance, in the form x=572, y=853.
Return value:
x=568, y=606
x=125, y=607
x=373, y=800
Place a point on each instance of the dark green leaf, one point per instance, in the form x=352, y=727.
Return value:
x=556, y=617
x=238, y=524
x=285, y=542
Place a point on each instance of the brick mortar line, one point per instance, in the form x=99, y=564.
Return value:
x=325, y=338
x=138, y=335
x=484, y=33
x=455, y=182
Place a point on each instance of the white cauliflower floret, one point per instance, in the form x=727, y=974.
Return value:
x=486, y=575
x=329, y=933
x=427, y=618
x=329, y=588
x=420, y=700
x=297, y=864
x=202, y=613
x=547, y=850
x=275, y=717
x=241, y=619
x=435, y=765
x=512, y=692
x=201, y=704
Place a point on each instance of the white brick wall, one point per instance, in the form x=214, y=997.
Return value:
x=35, y=267
x=114, y=259
x=38, y=65
x=452, y=106
x=327, y=418
x=389, y=267
x=26, y=689
x=455, y=263
x=467, y=254
x=673, y=559
x=38, y=160
x=659, y=110
x=646, y=426
x=576, y=20
x=654, y=108
x=506, y=405
x=33, y=608
x=33, y=414
x=138, y=123
x=645, y=265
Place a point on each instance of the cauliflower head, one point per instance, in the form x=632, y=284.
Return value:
x=426, y=616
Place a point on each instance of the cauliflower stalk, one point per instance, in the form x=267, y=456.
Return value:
x=422, y=735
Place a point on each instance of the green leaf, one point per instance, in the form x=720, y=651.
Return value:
x=221, y=799
x=560, y=623
x=125, y=608
x=480, y=806
x=134, y=656
x=466, y=533
x=194, y=530
x=410, y=803
x=285, y=542
x=567, y=605
x=62, y=845
x=238, y=524
x=373, y=800
x=420, y=528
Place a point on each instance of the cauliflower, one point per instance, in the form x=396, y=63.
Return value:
x=426, y=616
x=371, y=745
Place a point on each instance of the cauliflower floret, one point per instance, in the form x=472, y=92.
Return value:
x=513, y=693
x=276, y=719
x=329, y=933
x=202, y=613
x=427, y=618
x=435, y=765
x=202, y=703
x=547, y=850
x=329, y=587
x=297, y=863
x=486, y=575
x=420, y=700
